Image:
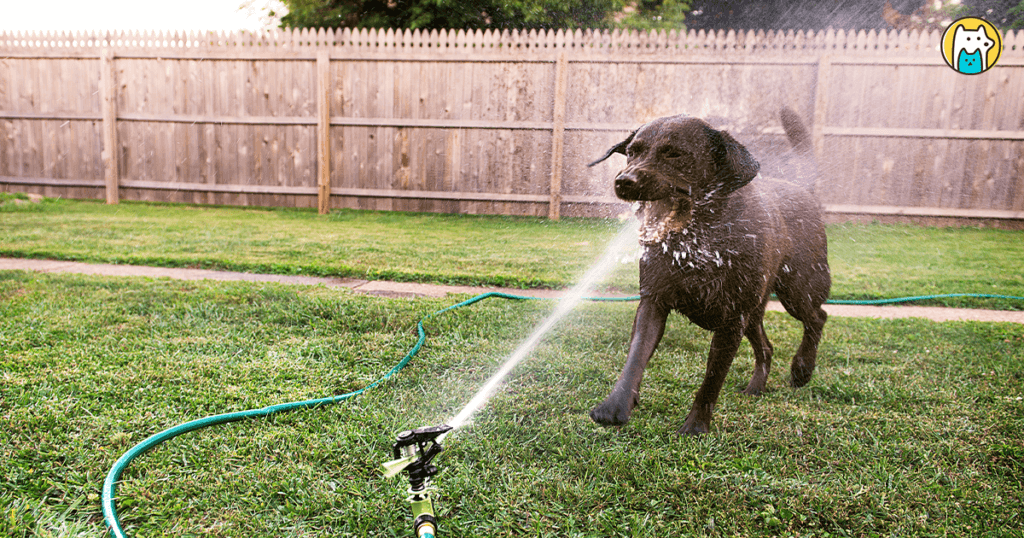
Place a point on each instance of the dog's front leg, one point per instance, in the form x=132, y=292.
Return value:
x=724, y=344
x=648, y=328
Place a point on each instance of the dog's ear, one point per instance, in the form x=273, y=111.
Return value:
x=618, y=148
x=735, y=166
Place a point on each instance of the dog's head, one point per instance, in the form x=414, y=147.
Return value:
x=678, y=162
x=680, y=156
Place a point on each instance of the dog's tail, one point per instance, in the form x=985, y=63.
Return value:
x=796, y=131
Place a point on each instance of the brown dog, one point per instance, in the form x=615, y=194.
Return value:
x=717, y=240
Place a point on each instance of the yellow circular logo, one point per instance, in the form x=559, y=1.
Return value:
x=971, y=45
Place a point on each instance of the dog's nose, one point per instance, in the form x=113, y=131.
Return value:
x=627, y=185
x=626, y=178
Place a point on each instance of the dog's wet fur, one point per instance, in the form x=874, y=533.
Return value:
x=717, y=239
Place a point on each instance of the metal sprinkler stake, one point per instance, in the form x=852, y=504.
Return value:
x=413, y=451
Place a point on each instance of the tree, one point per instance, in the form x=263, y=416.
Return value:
x=938, y=14
x=848, y=14
x=1016, y=13
x=1005, y=14
x=437, y=14
x=931, y=16
x=655, y=15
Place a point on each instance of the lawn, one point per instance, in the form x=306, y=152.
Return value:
x=868, y=261
x=909, y=427
x=450, y=249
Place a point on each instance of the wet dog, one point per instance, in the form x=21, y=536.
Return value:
x=717, y=239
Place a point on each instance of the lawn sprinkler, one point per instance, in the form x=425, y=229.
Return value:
x=413, y=451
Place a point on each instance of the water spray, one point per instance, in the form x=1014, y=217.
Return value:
x=413, y=451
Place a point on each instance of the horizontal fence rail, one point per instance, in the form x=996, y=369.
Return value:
x=496, y=122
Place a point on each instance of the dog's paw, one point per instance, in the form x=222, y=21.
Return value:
x=611, y=413
x=751, y=390
x=692, y=427
x=800, y=375
x=756, y=387
x=697, y=423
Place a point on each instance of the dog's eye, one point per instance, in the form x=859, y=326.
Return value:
x=670, y=152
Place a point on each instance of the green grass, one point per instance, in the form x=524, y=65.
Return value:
x=456, y=249
x=909, y=427
x=878, y=261
x=7, y=197
x=868, y=261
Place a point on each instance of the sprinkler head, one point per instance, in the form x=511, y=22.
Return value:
x=413, y=451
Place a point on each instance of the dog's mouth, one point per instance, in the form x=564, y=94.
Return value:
x=659, y=218
x=686, y=193
x=639, y=184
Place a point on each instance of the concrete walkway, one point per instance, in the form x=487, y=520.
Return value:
x=408, y=289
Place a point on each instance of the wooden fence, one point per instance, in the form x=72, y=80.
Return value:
x=485, y=122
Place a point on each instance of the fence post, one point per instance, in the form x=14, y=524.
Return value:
x=558, y=138
x=323, y=131
x=821, y=91
x=108, y=93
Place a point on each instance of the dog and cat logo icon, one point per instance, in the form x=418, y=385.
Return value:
x=971, y=45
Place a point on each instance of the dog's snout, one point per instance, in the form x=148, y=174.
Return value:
x=638, y=183
x=627, y=185
x=626, y=178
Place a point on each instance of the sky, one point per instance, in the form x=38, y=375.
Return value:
x=70, y=15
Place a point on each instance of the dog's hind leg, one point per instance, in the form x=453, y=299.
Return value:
x=807, y=355
x=648, y=328
x=724, y=344
x=762, y=353
x=805, y=307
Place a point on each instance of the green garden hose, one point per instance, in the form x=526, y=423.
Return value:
x=875, y=302
x=110, y=484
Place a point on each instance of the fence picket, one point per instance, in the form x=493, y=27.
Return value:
x=1017, y=47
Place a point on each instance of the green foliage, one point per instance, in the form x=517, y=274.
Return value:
x=657, y=15
x=438, y=14
x=1016, y=16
